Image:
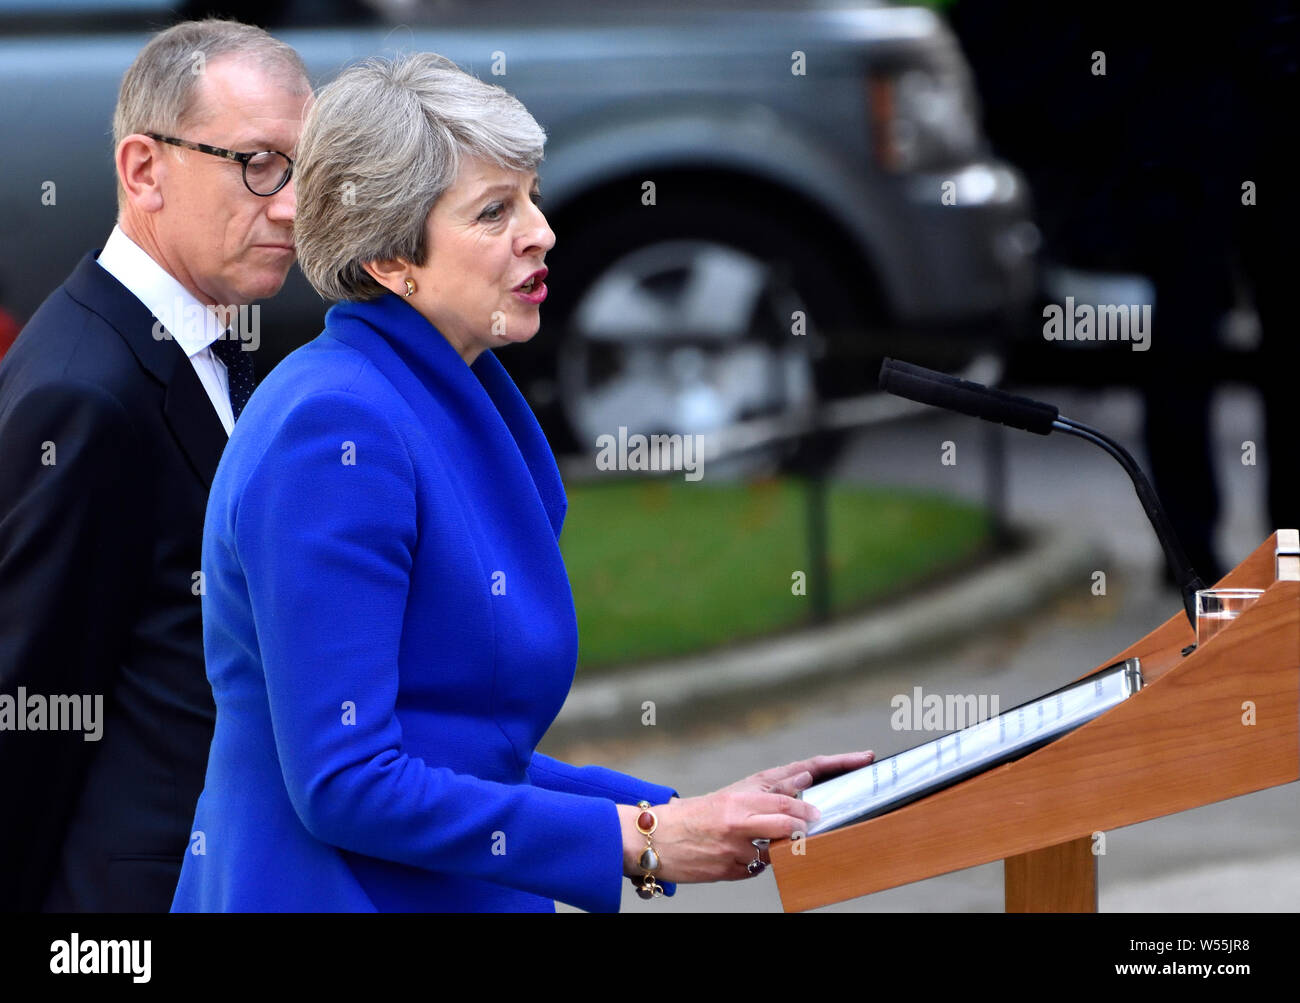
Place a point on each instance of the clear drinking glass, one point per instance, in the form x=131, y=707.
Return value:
x=1216, y=608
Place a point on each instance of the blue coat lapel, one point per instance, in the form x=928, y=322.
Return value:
x=418, y=360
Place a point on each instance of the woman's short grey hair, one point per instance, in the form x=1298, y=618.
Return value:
x=158, y=91
x=378, y=149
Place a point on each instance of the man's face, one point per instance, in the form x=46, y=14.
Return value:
x=225, y=244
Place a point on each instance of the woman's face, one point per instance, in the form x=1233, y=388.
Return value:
x=485, y=237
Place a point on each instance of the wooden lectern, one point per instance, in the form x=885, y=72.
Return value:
x=1221, y=721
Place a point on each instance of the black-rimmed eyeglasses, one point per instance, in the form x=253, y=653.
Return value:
x=265, y=171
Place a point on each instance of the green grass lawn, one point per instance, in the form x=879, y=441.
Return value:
x=662, y=568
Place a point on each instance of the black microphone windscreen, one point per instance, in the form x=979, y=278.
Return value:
x=926, y=386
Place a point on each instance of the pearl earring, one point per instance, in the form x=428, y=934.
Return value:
x=410, y=287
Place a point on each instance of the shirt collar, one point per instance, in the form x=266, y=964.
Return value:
x=192, y=325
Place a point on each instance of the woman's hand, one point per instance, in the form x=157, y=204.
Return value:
x=710, y=838
x=794, y=777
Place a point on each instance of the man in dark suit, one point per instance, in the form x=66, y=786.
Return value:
x=116, y=401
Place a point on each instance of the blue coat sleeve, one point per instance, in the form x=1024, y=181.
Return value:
x=598, y=781
x=325, y=531
x=595, y=781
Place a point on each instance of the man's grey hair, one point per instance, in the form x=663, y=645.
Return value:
x=380, y=146
x=159, y=91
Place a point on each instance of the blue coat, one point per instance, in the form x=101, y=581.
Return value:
x=389, y=631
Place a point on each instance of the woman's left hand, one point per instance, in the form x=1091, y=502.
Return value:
x=708, y=838
x=794, y=777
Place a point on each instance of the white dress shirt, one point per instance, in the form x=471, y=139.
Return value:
x=192, y=325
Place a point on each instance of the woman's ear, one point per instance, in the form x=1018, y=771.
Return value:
x=390, y=273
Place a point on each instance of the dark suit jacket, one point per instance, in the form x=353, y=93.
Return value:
x=108, y=445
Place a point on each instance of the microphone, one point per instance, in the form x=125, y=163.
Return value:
x=902, y=379
x=925, y=386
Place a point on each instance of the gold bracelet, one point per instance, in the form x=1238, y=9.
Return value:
x=646, y=824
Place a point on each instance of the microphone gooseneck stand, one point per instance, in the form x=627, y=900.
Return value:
x=926, y=386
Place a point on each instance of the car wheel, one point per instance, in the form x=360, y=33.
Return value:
x=690, y=318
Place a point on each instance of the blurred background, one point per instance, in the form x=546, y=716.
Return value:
x=754, y=204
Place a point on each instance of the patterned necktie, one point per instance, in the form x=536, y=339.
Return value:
x=239, y=370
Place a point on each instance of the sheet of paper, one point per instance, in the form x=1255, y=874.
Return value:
x=935, y=764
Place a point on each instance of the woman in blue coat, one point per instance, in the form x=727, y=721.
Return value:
x=388, y=624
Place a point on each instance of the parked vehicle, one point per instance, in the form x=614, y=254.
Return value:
x=752, y=205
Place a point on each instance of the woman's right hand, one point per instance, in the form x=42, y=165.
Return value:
x=710, y=838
